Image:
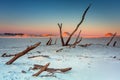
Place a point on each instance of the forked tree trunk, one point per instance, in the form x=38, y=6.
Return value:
x=111, y=39
x=83, y=17
x=22, y=53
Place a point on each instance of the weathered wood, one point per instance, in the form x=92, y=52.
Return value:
x=85, y=45
x=49, y=41
x=77, y=37
x=41, y=70
x=29, y=48
x=77, y=41
x=83, y=17
x=111, y=39
x=114, y=44
x=59, y=50
x=51, y=70
x=61, y=36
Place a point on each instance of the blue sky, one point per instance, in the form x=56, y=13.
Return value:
x=41, y=16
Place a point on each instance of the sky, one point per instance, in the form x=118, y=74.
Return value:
x=42, y=16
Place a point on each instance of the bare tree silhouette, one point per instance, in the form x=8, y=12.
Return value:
x=69, y=38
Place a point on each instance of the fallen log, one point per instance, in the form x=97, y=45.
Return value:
x=85, y=45
x=41, y=70
x=51, y=70
x=29, y=48
x=59, y=50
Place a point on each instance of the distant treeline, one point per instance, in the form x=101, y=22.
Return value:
x=13, y=34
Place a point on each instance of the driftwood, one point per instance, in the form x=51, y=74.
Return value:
x=44, y=68
x=29, y=48
x=49, y=41
x=83, y=17
x=51, y=70
x=69, y=38
x=61, y=36
x=114, y=44
x=59, y=50
x=77, y=38
x=7, y=55
x=77, y=41
x=39, y=56
x=111, y=39
x=85, y=45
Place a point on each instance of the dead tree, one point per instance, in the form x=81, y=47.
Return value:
x=61, y=36
x=114, y=44
x=51, y=70
x=29, y=48
x=69, y=38
x=41, y=70
x=77, y=41
x=49, y=41
x=111, y=39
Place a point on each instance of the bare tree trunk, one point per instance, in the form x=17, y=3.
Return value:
x=41, y=70
x=74, y=45
x=83, y=17
x=49, y=41
x=76, y=41
x=22, y=53
x=61, y=37
x=51, y=70
x=111, y=39
x=114, y=44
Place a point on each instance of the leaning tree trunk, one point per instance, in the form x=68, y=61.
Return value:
x=111, y=39
x=22, y=53
x=76, y=41
x=83, y=17
x=114, y=44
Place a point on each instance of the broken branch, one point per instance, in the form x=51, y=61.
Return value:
x=51, y=70
x=41, y=70
x=111, y=39
x=29, y=48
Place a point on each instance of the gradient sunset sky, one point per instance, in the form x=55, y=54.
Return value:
x=42, y=16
